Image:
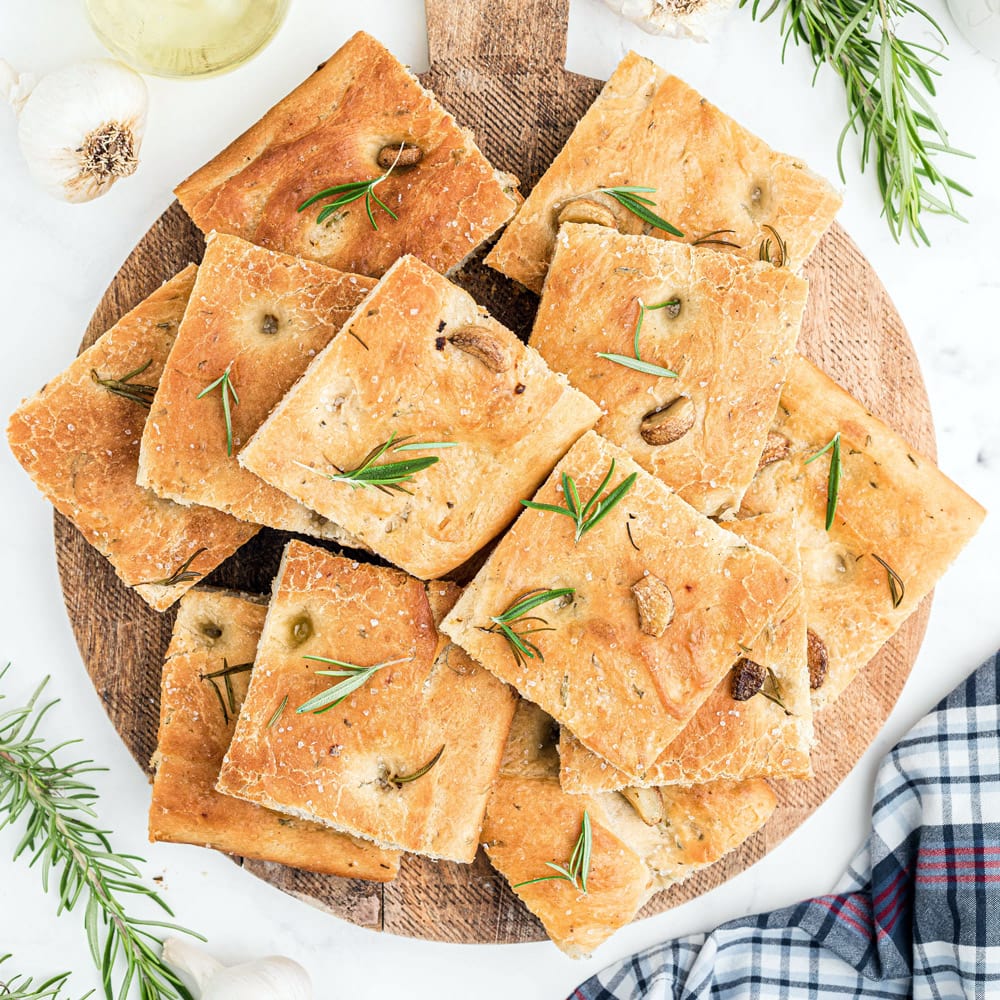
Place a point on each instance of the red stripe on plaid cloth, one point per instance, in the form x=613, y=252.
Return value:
x=937, y=852
x=955, y=863
x=841, y=915
x=958, y=878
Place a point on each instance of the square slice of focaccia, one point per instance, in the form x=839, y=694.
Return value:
x=710, y=178
x=262, y=317
x=407, y=759
x=662, y=600
x=344, y=125
x=898, y=524
x=637, y=848
x=420, y=360
x=758, y=720
x=78, y=439
x=215, y=632
x=726, y=327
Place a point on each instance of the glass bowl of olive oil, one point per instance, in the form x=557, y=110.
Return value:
x=185, y=37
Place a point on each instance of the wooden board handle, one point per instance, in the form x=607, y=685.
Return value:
x=506, y=35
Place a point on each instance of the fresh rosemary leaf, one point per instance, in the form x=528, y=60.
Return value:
x=224, y=384
x=775, y=695
x=638, y=365
x=123, y=386
x=709, y=239
x=180, y=575
x=404, y=779
x=632, y=199
x=888, y=82
x=425, y=445
x=356, y=677
x=58, y=806
x=226, y=674
x=833, y=480
x=596, y=508
x=277, y=713
x=345, y=194
x=503, y=624
x=577, y=869
x=21, y=988
x=897, y=589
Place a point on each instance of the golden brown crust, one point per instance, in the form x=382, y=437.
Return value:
x=652, y=130
x=194, y=736
x=339, y=767
x=531, y=821
x=263, y=316
x=330, y=130
x=80, y=444
x=624, y=693
x=892, y=503
x=727, y=738
x=730, y=339
x=402, y=373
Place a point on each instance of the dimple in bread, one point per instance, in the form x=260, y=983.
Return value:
x=766, y=735
x=899, y=523
x=343, y=125
x=262, y=317
x=79, y=442
x=649, y=129
x=407, y=760
x=216, y=630
x=725, y=326
x=531, y=822
x=419, y=359
x=662, y=599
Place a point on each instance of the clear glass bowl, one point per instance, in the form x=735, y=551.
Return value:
x=182, y=38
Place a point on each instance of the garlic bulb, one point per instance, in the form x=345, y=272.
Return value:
x=80, y=128
x=675, y=18
x=272, y=978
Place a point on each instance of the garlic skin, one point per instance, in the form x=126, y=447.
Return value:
x=674, y=18
x=80, y=128
x=271, y=978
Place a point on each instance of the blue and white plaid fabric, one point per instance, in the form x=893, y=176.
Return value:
x=918, y=912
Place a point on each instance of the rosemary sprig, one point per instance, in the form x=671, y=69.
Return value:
x=224, y=383
x=180, y=575
x=633, y=199
x=586, y=516
x=765, y=248
x=637, y=363
x=23, y=988
x=226, y=674
x=57, y=805
x=399, y=780
x=522, y=647
x=833, y=480
x=709, y=239
x=576, y=870
x=356, y=677
x=897, y=589
x=888, y=84
x=351, y=192
x=123, y=386
x=389, y=476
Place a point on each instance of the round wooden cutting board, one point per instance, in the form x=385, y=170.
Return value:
x=509, y=85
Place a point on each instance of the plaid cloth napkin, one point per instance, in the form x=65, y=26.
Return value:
x=918, y=912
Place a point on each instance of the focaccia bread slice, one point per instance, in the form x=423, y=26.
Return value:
x=262, y=317
x=218, y=631
x=710, y=178
x=421, y=360
x=662, y=599
x=726, y=327
x=78, y=439
x=899, y=523
x=409, y=757
x=531, y=822
x=344, y=125
x=764, y=734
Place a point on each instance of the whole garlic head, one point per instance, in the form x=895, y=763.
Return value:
x=271, y=978
x=80, y=128
x=675, y=18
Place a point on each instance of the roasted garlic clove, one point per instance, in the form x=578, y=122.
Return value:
x=484, y=346
x=588, y=210
x=668, y=424
x=776, y=448
x=655, y=604
x=647, y=803
x=392, y=155
x=818, y=659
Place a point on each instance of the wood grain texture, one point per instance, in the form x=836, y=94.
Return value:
x=498, y=68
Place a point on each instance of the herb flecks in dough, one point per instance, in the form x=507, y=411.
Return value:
x=227, y=390
x=354, y=677
x=577, y=869
x=388, y=477
x=711, y=239
x=637, y=364
x=765, y=248
x=123, y=386
x=586, y=516
x=897, y=589
x=521, y=646
x=633, y=199
x=833, y=479
x=183, y=573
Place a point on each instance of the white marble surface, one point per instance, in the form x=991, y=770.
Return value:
x=57, y=260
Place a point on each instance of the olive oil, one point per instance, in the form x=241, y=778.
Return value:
x=185, y=37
